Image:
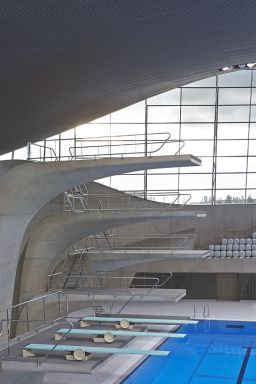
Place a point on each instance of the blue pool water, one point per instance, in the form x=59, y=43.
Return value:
x=213, y=352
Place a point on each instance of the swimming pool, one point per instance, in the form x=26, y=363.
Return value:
x=214, y=352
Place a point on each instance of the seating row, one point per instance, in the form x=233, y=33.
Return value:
x=238, y=241
x=233, y=254
x=234, y=247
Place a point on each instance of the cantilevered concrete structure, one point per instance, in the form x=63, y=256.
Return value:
x=67, y=62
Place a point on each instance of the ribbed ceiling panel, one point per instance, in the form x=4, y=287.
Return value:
x=66, y=62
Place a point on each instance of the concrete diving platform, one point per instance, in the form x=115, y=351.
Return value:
x=138, y=294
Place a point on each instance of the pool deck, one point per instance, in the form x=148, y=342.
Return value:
x=115, y=368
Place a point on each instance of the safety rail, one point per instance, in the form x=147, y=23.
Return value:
x=122, y=146
x=20, y=314
x=99, y=281
x=76, y=199
x=170, y=197
x=38, y=152
x=149, y=241
x=80, y=201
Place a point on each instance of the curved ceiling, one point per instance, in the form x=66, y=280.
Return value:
x=66, y=62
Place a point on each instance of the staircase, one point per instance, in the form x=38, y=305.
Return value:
x=75, y=265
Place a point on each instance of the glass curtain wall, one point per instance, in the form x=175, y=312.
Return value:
x=215, y=119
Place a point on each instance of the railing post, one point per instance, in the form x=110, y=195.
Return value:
x=44, y=309
x=28, y=150
x=8, y=331
x=59, y=304
x=27, y=320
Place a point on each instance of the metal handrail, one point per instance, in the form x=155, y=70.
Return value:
x=187, y=240
x=30, y=301
x=41, y=148
x=165, y=281
x=151, y=286
x=110, y=143
x=25, y=304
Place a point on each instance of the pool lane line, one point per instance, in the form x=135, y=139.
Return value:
x=244, y=365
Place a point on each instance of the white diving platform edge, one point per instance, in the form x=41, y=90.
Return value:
x=123, y=322
x=109, y=336
x=82, y=353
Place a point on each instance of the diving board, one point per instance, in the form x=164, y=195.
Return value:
x=109, y=336
x=82, y=353
x=128, y=323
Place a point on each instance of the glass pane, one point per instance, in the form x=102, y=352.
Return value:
x=163, y=114
x=233, y=131
x=197, y=114
x=234, y=96
x=68, y=134
x=199, y=197
x=127, y=129
x=127, y=182
x=251, y=180
x=252, y=164
x=231, y=164
x=252, y=131
x=172, y=129
x=133, y=114
x=251, y=196
x=235, y=79
x=236, y=114
x=232, y=147
x=21, y=154
x=163, y=171
x=206, y=167
x=7, y=156
x=210, y=82
x=103, y=119
x=170, y=97
x=253, y=113
x=67, y=147
x=198, y=96
x=199, y=181
x=197, y=148
x=252, y=147
x=93, y=130
x=229, y=180
x=253, y=78
x=197, y=131
x=230, y=197
x=254, y=94
x=156, y=182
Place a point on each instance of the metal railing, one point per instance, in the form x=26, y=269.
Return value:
x=119, y=284
x=122, y=146
x=19, y=315
x=144, y=241
x=37, y=152
x=78, y=200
